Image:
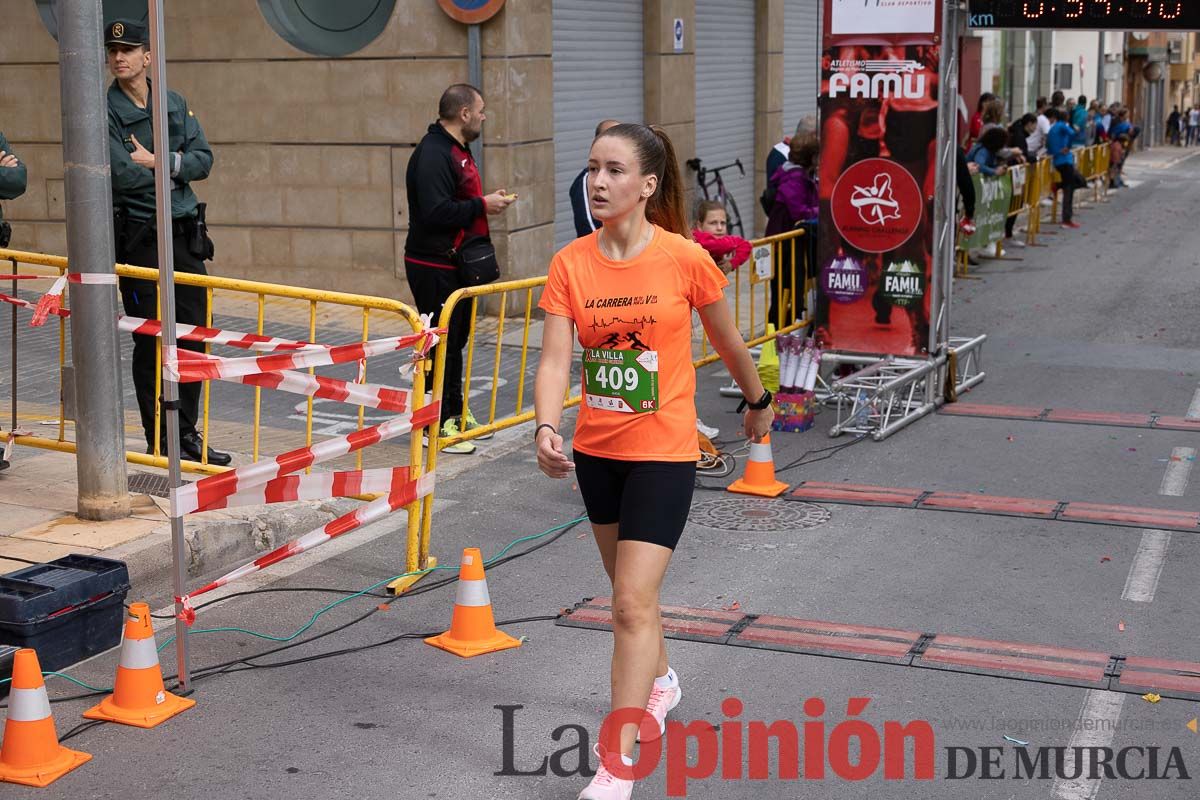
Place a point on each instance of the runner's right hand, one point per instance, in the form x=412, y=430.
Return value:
x=550, y=456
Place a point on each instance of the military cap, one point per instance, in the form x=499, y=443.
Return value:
x=123, y=31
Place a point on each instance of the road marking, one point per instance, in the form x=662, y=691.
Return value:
x=1096, y=726
x=1147, y=567
x=1179, y=469
x=1193, y=411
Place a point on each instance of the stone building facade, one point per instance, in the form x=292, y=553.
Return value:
x=308, y=184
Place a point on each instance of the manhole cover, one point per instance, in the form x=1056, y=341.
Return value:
x=149, y=483
x=746, y=514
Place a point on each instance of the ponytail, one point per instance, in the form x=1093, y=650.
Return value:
x=656, y=156
x=666, y=207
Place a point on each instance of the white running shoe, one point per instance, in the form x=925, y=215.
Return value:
x=661, y=702
x=707, y=430
x=605, y=785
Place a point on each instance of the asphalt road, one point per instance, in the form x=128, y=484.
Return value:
x=1102, y=320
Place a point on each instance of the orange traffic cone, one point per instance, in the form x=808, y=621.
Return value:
x=473, y=628
x=139, y=697
x=31, y=754
x=759, y=477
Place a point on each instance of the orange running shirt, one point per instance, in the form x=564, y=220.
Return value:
x=644, y=303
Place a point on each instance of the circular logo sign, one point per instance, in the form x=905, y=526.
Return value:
x=471, y=12
x=903, y=284
x=118, y=30
x=877, y=205
x=844, y=280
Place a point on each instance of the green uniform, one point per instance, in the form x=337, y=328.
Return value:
x=12, y=179
x=190, y=160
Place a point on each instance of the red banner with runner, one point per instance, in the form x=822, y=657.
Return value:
x=879, y=111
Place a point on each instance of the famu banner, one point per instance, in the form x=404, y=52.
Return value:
x=993, y=199
x=879, y=109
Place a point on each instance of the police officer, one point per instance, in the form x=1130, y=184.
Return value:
x=12, y=186
x=131, y=143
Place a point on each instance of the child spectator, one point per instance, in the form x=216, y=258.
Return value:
x=709, y=231
x=986, y=152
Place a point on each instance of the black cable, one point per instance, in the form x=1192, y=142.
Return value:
x=249, y=665
x=214, y=669
x=80, y=728
x=831, y=450
x=421, y=589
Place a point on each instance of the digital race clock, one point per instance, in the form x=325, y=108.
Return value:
x=1136, y=15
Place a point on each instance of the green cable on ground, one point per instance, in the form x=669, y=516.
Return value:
x=371, y=588
x=75, y=681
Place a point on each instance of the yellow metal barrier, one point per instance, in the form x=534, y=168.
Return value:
x=789, y=258
x=1025, y=202
x=296, y=307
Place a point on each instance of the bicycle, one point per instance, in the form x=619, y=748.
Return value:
x=722, y=194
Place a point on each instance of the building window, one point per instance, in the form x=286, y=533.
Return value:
x=326, y=28
x=1064, y=76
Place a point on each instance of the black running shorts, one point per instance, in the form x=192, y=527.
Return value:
x=649, y=499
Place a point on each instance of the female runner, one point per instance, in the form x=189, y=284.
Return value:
x=628, y=291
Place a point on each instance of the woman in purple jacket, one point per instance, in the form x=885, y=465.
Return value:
x=792, y=191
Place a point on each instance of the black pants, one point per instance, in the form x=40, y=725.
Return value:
x=966, y=187
x=140, y=299
x=431, y=287
x=1071, y=180
x=806, y=267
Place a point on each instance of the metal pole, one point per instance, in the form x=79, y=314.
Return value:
x=475, y=73
x=1100, y=68
x=100, y=415
x=166, y=299
x=945, y=193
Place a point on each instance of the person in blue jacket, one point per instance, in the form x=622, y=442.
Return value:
x=1058, y=145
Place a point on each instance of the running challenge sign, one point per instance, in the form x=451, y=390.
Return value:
x=879, y=89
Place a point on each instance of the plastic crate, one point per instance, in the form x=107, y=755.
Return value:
x=7, y=653
x=68, y=609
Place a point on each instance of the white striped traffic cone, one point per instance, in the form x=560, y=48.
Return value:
x=473, y=628
x=31, y=754
x=139, y=697
x=759, y=478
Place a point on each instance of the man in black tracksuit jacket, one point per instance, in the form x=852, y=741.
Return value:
x=446, y=207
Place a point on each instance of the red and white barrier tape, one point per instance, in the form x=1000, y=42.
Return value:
x=97, y=278
x=401, y=495
x=384, y=398
x=318, y=486
x=212, y=368
x=204, y=492
x=49, y=303
x=93, y=278
x=19, y=303
x=198, y=333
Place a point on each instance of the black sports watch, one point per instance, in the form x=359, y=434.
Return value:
x=763, y=402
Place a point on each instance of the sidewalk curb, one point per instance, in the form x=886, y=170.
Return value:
x=219, y=540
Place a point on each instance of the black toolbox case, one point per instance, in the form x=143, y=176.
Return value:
x=68, y=609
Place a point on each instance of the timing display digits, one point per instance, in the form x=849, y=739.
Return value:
x=1086, y=14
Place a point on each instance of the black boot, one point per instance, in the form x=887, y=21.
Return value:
x=191, y=446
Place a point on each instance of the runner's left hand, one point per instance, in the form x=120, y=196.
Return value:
x=758, y=423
